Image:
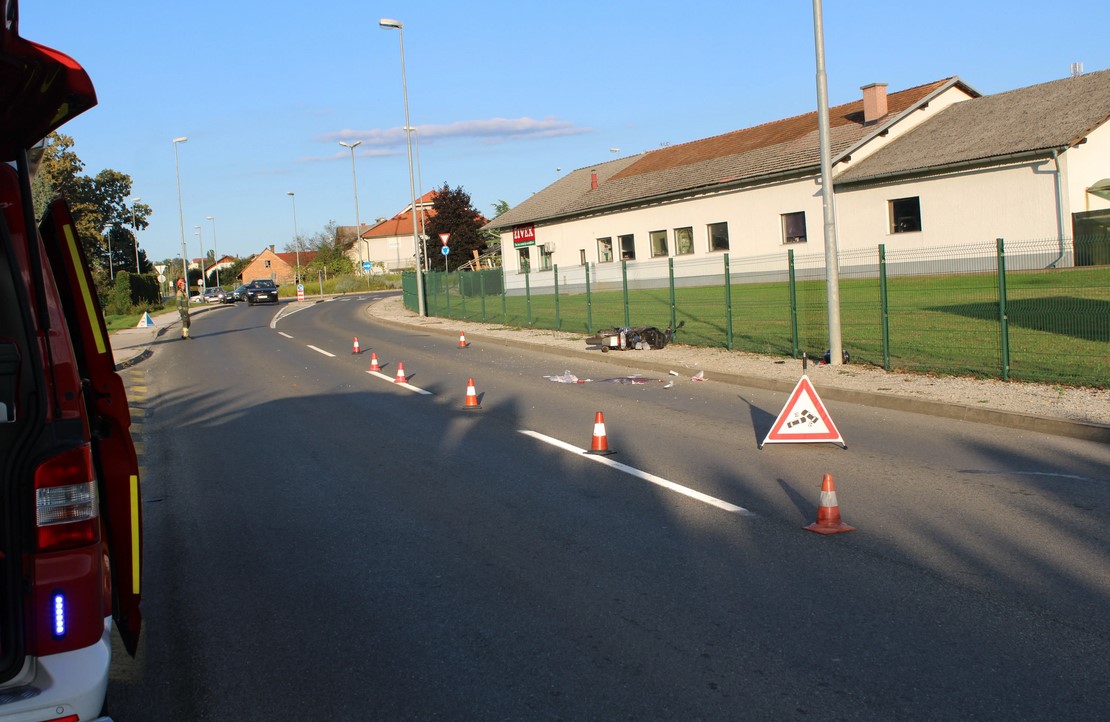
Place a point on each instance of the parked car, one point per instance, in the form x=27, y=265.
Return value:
x=261, y=290
x=213, y=295
x=237, y=295
x=70, y=505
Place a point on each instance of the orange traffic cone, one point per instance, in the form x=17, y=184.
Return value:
x=462, y=340
x=600, y=442
x=471, y=396
x=374, y=362
x=355, y=348
x=828, y=511
x=400, y=374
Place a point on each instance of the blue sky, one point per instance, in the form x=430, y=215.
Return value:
x=506, y=96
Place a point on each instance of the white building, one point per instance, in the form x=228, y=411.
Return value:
x=937, y=165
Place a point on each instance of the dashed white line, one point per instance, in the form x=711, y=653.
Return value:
x=320, y=350
x=393, y=381
x=652, y=478
x=283, y=333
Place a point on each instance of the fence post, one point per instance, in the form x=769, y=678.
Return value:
x=624, y=282
x=482, y=292
x=1003, y=325
x=462, y=296
x=504, y=297
x=528, y=295
x=884, y=306
x=674, y=328
x=555, y=271
x=728, y=306
x=793, y=286
x=447, y=293
x=589, y=303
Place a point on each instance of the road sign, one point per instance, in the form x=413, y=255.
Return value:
x=161, y=278
x=804, y=419
x=446, y=249
x=443, y=238
x=366, y=265
x=160, y=267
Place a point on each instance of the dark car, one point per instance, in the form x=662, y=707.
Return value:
x=70, y=501
x=261, y=291
x=236, y=295
x=213, y=295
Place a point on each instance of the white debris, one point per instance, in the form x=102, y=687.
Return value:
x=699, y=376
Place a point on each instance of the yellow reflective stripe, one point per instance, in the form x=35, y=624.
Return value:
x=94, y=322
x=136, y=556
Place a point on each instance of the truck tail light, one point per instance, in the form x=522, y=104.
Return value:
x=66, y=507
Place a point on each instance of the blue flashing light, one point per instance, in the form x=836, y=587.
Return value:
x=59, y=615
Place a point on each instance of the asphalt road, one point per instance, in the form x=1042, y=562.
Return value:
x=323, y=543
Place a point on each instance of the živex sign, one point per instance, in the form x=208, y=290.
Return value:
x=524, y=236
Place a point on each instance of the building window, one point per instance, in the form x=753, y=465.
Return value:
x=718, y=236
x=683, y=241
x=794, y=227
x=582, y=256
x=524, y=260
x=267, y=264
x=604, y=250
x=658, y=242
x=905, y=215
x=628, y=247
x=545, y=259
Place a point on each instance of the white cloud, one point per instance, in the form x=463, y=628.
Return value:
x=491, y=130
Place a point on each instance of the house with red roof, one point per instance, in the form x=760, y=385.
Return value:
x=389, y=243
x=278, y=267
x=931, y=166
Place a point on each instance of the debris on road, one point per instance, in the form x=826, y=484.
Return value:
x=566, y=378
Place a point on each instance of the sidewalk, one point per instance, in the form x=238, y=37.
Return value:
x=1075, y=413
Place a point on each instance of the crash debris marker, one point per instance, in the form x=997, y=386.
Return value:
x=804, y=419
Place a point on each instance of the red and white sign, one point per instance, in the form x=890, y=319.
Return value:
x=444, y=237
x=524, y=236
x=803, y=419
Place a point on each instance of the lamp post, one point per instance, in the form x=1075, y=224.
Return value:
x=180, y=214
x=111, y=272
x=200, y=241
x=399, y=26
x=135, y=226
x=215, y=253
x=296, y=238
x=420, y=185
x=358, y=221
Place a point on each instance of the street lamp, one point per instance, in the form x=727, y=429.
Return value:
x=358, y=221
x=215, y=253
x=135, y=227
x=387, y=23
x=180, y=214
x=296, y=238
x=420, y=185
x=200, y=241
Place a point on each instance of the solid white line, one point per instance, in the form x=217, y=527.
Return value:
x=652, y=478
x=283, y=333
x=393, y=381
x=320, y=350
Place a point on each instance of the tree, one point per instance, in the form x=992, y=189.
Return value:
x=492, y=238
x=99, y=205
x=454, y=214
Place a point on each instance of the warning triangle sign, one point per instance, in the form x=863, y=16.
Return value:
x=146, y=321
x=803, y=419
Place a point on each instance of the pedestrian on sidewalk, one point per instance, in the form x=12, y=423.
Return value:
x=182, y=298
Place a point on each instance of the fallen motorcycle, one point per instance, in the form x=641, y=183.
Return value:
x=623, y=338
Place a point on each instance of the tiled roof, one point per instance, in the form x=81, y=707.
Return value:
x=777, y=148
x=401, y=224
x=1037, y=119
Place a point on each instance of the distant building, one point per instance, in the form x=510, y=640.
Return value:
x=388, y=243
x=278, y=267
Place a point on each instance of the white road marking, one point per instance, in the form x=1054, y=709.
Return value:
x=652, y=478
x=393, y=381
x=283, y=333
x=320, y=350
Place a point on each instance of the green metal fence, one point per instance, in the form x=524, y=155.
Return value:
x=1028, y=310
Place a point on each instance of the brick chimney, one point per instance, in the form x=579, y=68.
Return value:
x=272, y=248
x=593, y=180
x=874, y=102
